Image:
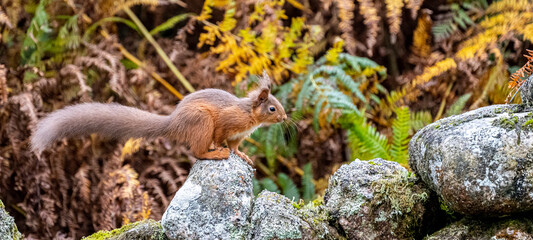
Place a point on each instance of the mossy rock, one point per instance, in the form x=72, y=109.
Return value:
x=8, y=229
x=142, y=230
x=480, y=163
x=274, y=217
x=317, y=217
x=376, y=199
x=472, y=229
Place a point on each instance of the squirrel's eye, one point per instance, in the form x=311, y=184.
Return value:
x=272, y=109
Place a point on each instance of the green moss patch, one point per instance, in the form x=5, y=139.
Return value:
x=146, y=229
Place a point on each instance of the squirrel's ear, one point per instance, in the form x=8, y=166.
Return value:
x=263, y=95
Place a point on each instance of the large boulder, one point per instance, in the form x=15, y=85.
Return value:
x=376, y=199
x=8, y=229
x=214, y=202
x=479, y=162
x=472, y=229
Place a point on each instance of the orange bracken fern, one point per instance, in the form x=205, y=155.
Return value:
x=519, y=77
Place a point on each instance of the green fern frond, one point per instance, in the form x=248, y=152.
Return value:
x=38, y=37
x=461, y=18
x=365, y=140
x=458, y=106
x=268, y=184
x=318, y=110
x=272, y=138
x=308, y=187
x=400, y=138
x=256, y=186
x=290, y=190
x=69, y=36
x=170, y=23
x=420, y=120
x=340, y=75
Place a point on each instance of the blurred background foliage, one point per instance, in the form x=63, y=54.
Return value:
x=357, y=77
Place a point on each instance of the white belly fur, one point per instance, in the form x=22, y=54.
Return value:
x=244, y=134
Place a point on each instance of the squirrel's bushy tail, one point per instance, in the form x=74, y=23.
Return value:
x=111, y=120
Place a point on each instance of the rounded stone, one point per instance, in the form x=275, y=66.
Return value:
x=479, y=162
x=274, y=217
x=376, y=199
x=214, y=202
x=476, y=229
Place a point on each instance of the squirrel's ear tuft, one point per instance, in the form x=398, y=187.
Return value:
x=264, y=81
x=260, y=95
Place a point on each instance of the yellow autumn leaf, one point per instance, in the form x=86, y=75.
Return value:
x=130, y=147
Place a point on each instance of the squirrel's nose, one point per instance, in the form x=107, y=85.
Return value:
x=283, y=118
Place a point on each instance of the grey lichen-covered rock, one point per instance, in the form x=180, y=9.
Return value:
x=526, y=92
x=275, y=217
x=8, y=229
x=146, y=230
x=521, y=228
x=214, y=203
x=317, y=217
x=375, y=199
x=479, y=162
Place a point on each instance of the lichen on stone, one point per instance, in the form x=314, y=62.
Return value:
x=481, y=166
x=399, y=198
x=480, y=229
x=508, y=123
x=274, y=217
x=316, y=215
x=146, y=229
x=528, y=125
x=8, y=228
x=214, y=202
x=378, y=200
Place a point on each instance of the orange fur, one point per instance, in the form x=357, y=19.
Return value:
x=203, y=119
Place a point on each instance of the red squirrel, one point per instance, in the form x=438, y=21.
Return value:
x=202, y=119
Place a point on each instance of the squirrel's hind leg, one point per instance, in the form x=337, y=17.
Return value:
x=200, y=148
x=196, y=127
x=217, y=154
x=234, y=146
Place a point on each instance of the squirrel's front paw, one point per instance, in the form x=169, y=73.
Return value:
x=245, y=157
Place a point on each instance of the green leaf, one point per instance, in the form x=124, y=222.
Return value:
x=400, y=138
x=308, y=187
x=288, y=187
x=128, y=64
x=270, y=145
x=420, y=120
x=102, y=21
x=38, y=37
x=256, y=186
x=268, y=184
x=364, y=138
x=458, y=106
x=170, y=23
